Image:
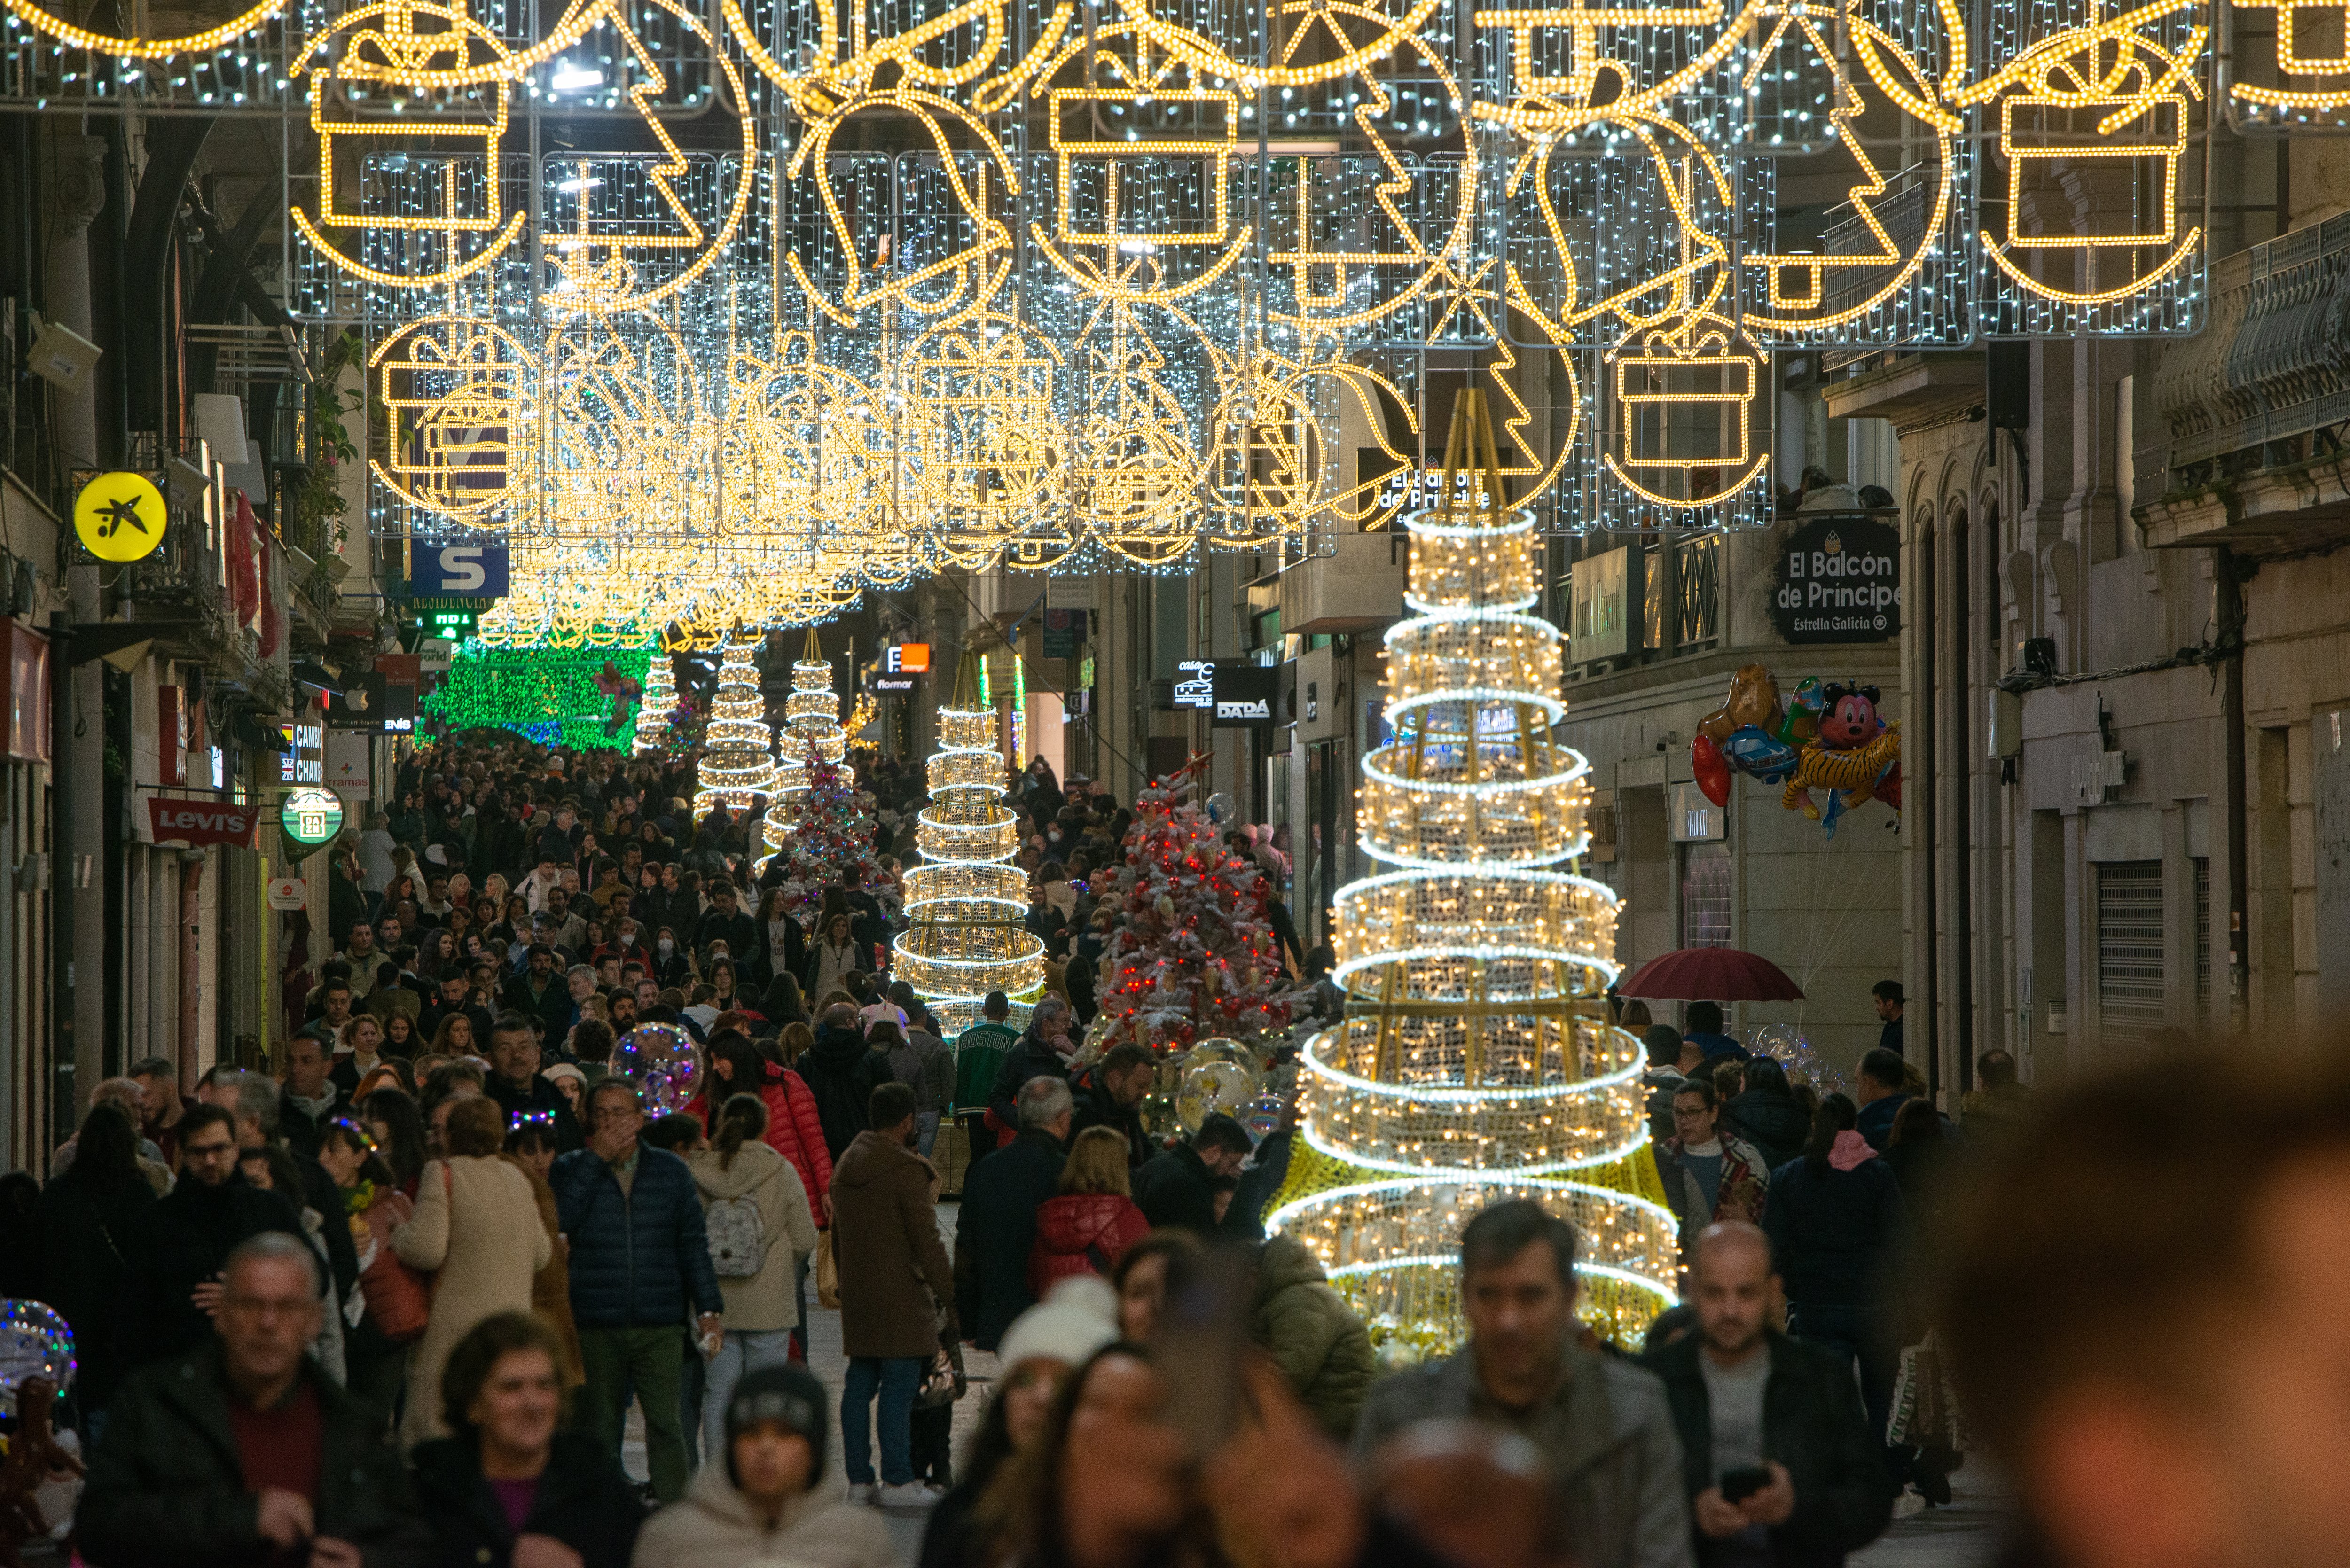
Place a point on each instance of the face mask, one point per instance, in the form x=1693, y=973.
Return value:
x=667, y=946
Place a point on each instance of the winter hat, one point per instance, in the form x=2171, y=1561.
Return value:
x=562, y=1070
x=1078, y=1318
x=789, y=1395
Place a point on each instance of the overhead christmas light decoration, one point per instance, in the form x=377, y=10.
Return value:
x=1162, y=281
x=1475, y=1061
x=737, y=767
x=966, y=901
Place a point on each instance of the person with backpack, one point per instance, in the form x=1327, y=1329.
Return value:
x=755, y=1214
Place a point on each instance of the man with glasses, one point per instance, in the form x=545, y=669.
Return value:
x=177, y=1250
x=303, y=1475
x=639, y=1267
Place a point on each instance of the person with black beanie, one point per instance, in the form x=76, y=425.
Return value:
x=768, y=1501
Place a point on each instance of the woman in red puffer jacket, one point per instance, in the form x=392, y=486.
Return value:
x=732, y=1066
x=1088, y=1227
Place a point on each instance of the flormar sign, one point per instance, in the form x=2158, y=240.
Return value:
x=1839, y=581
x=199, y=822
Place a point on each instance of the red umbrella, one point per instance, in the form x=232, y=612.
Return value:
x=1711, y=974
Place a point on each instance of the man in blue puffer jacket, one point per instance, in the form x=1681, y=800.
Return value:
x=639, y=1267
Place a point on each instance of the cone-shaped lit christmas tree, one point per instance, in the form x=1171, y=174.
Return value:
x=737, y=767
x=967, y=901
x=659, y=702
x=1196, y=957
x=811, y=727
x=1475, y=1062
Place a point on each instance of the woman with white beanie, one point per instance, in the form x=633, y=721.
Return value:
x=1039, y=1350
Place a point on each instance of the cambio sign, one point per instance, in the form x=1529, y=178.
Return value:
x=1839, y=581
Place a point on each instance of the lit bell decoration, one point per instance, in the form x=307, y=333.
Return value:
x=811, y=721
x=735, y=767
x=1474, y=1063
x=661, y=1061
x=967, y=902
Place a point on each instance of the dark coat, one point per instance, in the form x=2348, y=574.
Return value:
x=675, y=908
x=639, y=1259
x=1030, y=1058
x=1874, y=1121
x=1097, y=1108
x=1812, y=1424
x=1312, y=1335
x=87, y=1229
x=1174, y=1191
x=842, y=1074
x=1834, y=1233
x=181, y=1242
x=994, y=1231
x=1773, y=1124
x=167, y=1488
x=584, y=1501
x=552, y=1006
x=746, y=942
x=894, y=1279
x=541, y=1099
x=301, y=1129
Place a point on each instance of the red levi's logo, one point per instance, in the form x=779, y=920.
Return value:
x=197, y=822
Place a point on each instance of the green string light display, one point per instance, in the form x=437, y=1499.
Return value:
x=549, y=695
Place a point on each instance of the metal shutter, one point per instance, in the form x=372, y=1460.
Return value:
x=2129, y=942
x=2202, y=941
x=1705, y=895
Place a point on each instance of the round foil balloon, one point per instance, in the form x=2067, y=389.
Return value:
x=1215, y=1049
x=33, y=1343
x=661, y=1062
x=1213, y=1086
x=1262, y=1117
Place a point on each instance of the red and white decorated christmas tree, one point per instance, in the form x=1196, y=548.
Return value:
x=1195, y=957
x=830, y=835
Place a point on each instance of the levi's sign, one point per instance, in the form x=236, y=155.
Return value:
x=199, y=822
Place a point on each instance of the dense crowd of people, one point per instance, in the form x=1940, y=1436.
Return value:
x=397, y=1302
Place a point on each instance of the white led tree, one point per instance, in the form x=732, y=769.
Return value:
x=811, y=724
x=659, y=702
x=1474, y=1062
x=737, y=767
x=967, y=901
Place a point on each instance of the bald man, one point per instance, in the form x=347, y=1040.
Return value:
x=1779, y=1465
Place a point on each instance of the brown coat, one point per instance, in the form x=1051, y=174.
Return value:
x=894, y=1274
x=550, y=1288
x=473, y=1214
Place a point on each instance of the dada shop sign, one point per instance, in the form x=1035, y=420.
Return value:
x=1839, y=581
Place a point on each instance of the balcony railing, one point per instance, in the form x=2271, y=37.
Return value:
x=2273, y=366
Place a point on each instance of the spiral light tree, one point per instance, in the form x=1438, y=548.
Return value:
x=736, y=768
x=811, y=725
x=658, y=703
x=967, y=901
x=1474, y=1062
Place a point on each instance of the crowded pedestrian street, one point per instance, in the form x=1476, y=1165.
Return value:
x=1008, y=783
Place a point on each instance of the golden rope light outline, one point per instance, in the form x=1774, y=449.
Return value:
x=74, y=35
x=522, y=369
x=1870, y=43
x=2168, y=78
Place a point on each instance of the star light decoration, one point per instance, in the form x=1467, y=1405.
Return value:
x=965, y=901
x=1152, y=280
x=1474, y=1062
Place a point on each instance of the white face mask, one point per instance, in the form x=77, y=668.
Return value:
x=667, y=946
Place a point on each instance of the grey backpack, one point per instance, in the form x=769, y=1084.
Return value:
x=737, y=1238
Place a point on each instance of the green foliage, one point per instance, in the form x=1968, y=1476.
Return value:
x=546, y=694
x=317, y=525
